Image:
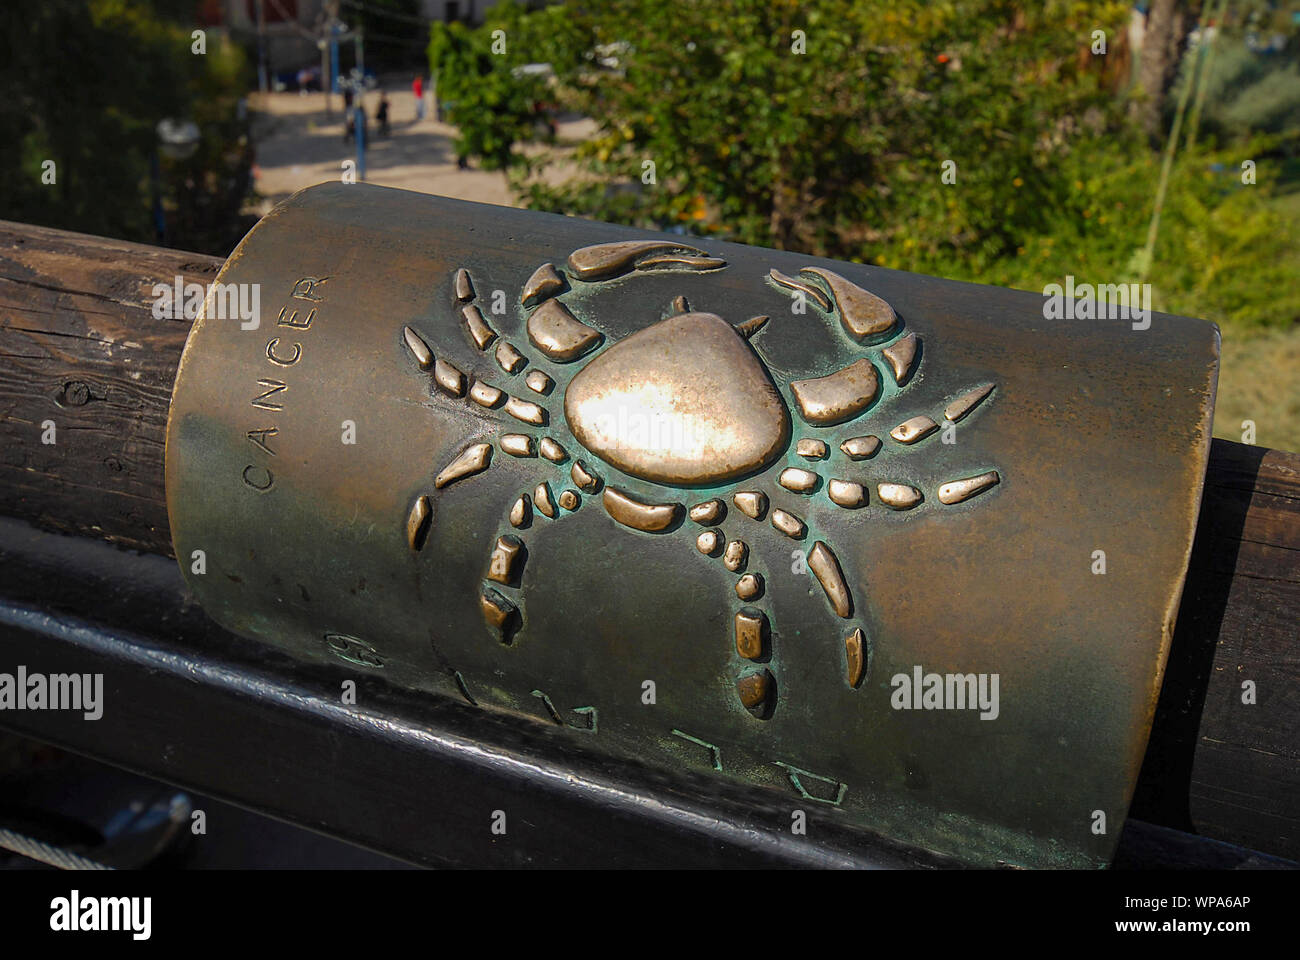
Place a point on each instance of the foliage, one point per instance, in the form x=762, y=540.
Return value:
x=479, y=81
x=86, y=88
x=1247, y=92
x=1227, y=250
x=839, y=151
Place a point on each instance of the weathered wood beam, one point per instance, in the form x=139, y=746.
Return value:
x=79, y=346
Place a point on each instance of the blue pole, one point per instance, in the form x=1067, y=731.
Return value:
x=359, y=124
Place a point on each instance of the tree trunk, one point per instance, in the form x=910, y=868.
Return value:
x=1157, y=63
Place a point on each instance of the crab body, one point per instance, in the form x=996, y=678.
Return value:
x=685, y=402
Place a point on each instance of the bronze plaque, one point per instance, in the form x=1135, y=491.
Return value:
x=906, y=548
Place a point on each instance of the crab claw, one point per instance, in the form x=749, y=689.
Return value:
x=604, y=261
x=863, y=314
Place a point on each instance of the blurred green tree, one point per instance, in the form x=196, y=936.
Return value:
x=825, y=126
x=85, y=85
x=990, y=140
x=483, y=81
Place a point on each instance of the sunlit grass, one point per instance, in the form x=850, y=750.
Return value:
x=1259, y=380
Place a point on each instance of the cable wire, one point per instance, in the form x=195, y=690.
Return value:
x=46, y=853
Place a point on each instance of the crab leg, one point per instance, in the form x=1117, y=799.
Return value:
x=756, y=685
x=505, y=570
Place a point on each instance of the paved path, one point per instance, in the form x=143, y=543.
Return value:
x=298, y=144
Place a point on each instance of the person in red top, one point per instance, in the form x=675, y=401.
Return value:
x=417, y=88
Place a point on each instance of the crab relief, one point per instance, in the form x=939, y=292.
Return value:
x=686, y=404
